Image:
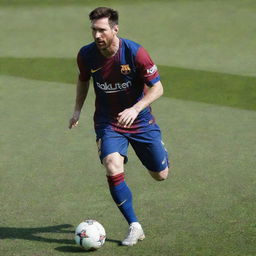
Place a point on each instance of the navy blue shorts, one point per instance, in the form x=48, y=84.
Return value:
x=148, y=146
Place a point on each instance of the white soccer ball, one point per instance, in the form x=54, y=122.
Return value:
x=90, y=235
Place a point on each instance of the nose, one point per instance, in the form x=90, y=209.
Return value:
x=97, y=34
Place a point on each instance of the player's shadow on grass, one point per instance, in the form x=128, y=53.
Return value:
x=74, y=249
x=36, y=234
x=45, y=234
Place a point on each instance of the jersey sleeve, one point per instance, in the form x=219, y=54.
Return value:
x=147, y=69
x=83, y=68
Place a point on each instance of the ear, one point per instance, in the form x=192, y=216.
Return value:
x=116, y=29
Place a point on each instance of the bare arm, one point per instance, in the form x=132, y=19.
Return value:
x=81, y=94
x=127, y=117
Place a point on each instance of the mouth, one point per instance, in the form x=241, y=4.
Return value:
x=100, y=43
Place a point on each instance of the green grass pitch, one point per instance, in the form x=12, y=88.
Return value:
x=51, y=178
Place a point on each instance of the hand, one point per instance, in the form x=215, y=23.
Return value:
x=127, y=117
x=73, y=122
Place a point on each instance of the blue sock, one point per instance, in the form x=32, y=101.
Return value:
x=122, y=196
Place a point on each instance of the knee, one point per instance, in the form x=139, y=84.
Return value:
x=160, y=176
x=110, y=163
x=113, y=165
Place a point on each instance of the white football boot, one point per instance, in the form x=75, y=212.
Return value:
x=135, y=234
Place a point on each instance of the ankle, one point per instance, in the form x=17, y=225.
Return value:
x=135, y=224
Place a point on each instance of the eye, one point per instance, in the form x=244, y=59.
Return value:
x=100, y=30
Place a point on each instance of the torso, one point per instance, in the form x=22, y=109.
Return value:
x=119, y=82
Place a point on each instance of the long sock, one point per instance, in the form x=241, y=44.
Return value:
x=122, y=196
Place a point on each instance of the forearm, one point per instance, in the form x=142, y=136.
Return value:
x=151, y=95
x=81, y=94
x=127, y=117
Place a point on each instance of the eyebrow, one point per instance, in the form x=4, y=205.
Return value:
x=95, y=28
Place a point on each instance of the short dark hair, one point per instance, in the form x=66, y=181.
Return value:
x=104, y=12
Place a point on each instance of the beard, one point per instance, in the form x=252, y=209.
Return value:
x=104, y=44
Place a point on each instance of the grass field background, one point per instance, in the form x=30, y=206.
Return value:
x=51, y=178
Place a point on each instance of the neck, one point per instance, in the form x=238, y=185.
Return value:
x=112, y=49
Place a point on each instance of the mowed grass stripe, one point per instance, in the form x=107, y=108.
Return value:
x=210, y=87
x=51, y=178
x=52, y=2
x=181, y=83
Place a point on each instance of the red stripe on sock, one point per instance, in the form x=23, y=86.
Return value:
x=116, y=179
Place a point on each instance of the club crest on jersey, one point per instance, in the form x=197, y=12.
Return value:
x=125, y=69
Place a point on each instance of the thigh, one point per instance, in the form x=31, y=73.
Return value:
x=109, y=142
x=150, y=149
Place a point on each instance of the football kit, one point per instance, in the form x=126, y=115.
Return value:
x=119, y=83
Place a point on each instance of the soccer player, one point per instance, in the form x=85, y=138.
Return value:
x=126, y=82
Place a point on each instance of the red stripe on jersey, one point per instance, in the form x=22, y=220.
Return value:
x=146, y=66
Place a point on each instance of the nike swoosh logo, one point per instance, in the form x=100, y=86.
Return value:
x=121, y=203
x=95, y=70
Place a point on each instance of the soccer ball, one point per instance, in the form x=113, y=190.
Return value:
x=90, y=235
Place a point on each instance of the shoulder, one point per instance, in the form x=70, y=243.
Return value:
x=87, y=50
x=137, y=50
x=131, y=45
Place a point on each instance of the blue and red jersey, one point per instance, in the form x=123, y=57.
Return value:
x=119, y=83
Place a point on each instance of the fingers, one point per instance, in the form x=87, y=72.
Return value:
x=73, y=123
x=126, y=122
x=127, y=117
